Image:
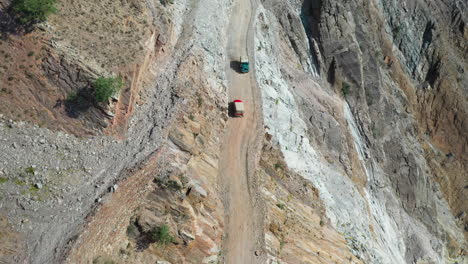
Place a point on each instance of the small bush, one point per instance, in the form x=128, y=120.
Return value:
x=200, y=101
x=3, y=180
x=19, y=182
x=72, y=96
x=345, y=88
x=174, y=185
x=33, y=11
x=282, y=243
x=278, y=166
x=30, y=170
x=161, y=235
x=31, y=53
x=106, y=87
x=281, y=206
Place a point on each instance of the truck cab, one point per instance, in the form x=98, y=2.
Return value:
x=244, y=64
x=238, y=110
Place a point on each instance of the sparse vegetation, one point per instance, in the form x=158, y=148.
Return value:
x=396, y=30
x=162, y=236
x=282, y=243
x=19, y=182
x=281, y=206
x=3, y=180
x=106, y=87
x=174, y=185
x=30, y=170
x=200, y=101
x=278, y=166
x=345, y=88
x=103, y=260
x=165, y=2
x=33, y=189
x=132, y=231
x=5, y=90
x=72, y=96
x=33, y=11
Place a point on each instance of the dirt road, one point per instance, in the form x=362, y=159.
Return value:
x=243, y=230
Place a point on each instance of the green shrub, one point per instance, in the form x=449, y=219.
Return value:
x=345, y=88
x=200, y=101
x=281, y=206
x=72, y=96
x=174, y=185
x=33, y=11
x=161, y=235
x=278, y=166
x=30, y=170
x=106, y=87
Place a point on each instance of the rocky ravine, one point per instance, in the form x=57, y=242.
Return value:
x=363, y=159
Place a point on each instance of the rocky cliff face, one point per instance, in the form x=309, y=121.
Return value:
x=364, y=157
x=369, y=97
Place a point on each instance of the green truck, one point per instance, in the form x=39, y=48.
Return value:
x=244, y=64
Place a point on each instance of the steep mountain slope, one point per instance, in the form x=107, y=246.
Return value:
x=353, y=148
x=367, y=101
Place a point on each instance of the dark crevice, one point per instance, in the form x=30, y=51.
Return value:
x=433, y=73
x=331, y=78
x=310, y=17
x=427, y=36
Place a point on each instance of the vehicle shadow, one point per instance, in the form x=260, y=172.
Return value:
x=235, y=65
x=231, y=109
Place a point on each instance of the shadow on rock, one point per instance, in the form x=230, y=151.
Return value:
x=10, y=26
x=78, y=103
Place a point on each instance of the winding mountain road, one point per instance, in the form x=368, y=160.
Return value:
x=243, y=228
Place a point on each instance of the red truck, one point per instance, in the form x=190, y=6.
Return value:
x=238, y=108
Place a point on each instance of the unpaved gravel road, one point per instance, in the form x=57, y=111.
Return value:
x=243, y=228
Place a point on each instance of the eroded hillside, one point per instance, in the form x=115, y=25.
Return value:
x=353, y=148
x=367, y=100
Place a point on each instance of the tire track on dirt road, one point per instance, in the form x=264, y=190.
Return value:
x=244, y=228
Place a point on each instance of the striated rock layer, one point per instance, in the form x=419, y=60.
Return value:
x=366, y=100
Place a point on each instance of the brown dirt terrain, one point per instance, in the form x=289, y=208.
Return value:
x=41, y=70
x=176, y=187
x=11, y=242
